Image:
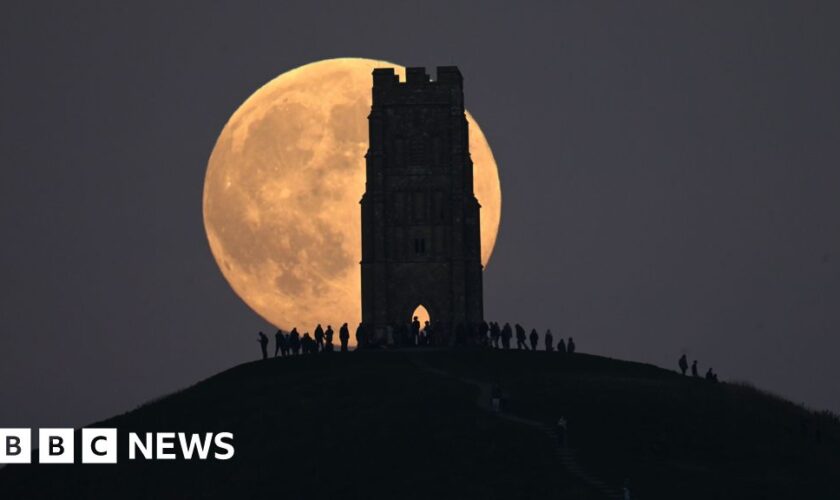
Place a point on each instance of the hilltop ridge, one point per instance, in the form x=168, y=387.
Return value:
x=379, y=425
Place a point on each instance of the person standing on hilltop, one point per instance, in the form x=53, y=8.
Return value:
x=309, y=345
x=694, y=372
x=294, y=341
x=389, y=335
x=496, y=397
x=279, y=343
x=483, y=330
x=562, y=429
x=415, y=331
x=329, y=339
x=428, y=334
x=625, y=491
x=360, y=336
x=319, y=338
x=507, y=333
x=570, y=347
x=534, y=338
x=520, y=337
x=561, y=346
x=495, y=334
x=263, y=340
x=406, y=334
x=549, y=341
x=344, y=336
x=460, y=334
x=683, y=364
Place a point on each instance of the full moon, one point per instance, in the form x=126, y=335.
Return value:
x=282, y=190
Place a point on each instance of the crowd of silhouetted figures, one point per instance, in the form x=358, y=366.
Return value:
x=414, y=334
x=711, y=376
x=293, y=343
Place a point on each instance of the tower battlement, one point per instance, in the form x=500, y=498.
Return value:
x=446, y=75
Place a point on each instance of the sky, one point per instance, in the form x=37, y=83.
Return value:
x=669, y=175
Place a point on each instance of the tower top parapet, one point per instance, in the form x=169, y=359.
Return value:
x=446, y=75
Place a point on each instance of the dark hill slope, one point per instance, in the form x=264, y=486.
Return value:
x=377, y=425
x=356, y=425
x=671, y=436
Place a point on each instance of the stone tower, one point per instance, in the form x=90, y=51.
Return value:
x=421, y=241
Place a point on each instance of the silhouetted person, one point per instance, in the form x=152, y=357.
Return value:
x=496, y=397
x=397, y=333
x=328, y=335
x=683, y=364
x=389, y=335
x=286, y=347
x=534, y=338
x=570, y=347
x=263, y=340
x=344, y=336
x=507, y=333
x=294, y=341
x=520, y=337
x=549, y=341
x=460, y=334
x=279, y=343
x=428, y=334
x=319, y=337
x=561, y=346
x=361, y=342
x=495, y=334
x=562, y=429
x=415, y=331
x=804, y=427
x=406, y=334
x=483, y=330
x=694, y=372
x=309, y=345
x=710, y=376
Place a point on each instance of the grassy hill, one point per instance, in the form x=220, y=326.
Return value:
x=380, y=425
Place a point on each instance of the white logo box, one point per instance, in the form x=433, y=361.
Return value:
x=57, y=446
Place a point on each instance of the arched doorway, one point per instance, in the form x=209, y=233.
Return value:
x=419, y=333
x=422, y=315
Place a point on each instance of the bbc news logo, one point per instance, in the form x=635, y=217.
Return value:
x=99, y=446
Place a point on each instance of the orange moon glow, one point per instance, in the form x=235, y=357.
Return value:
x=282, y=191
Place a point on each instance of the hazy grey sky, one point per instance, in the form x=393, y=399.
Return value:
x=669, y=174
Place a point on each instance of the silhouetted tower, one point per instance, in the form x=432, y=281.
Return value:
x=421, y=241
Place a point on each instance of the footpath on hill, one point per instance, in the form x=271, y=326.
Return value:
x=565, y=454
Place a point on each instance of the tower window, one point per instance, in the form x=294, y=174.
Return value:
x=419, y=246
